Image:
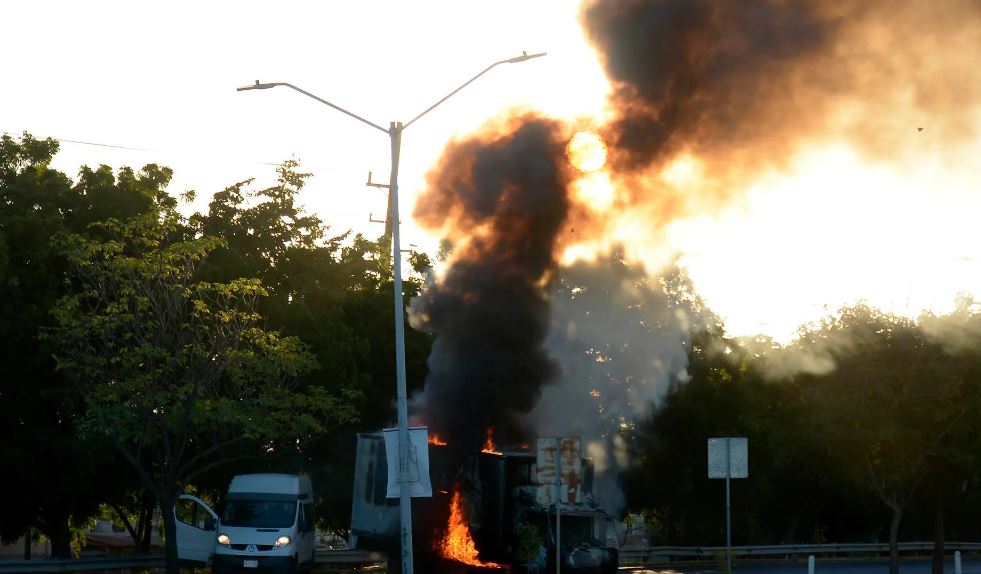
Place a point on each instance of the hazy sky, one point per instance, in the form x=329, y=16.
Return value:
x=162, y=77
x=831, y=228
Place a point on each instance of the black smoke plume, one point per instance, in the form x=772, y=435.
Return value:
x=701, y=75
x=501, y=197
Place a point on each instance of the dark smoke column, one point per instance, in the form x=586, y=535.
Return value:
x=728, y=81
x=501, y=197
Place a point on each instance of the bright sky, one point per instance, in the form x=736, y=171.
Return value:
x=162, y=77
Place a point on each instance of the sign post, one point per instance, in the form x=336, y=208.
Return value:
x=558, y=474
x=558, y=513
x=728, y=457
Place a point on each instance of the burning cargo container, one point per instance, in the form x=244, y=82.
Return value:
x=487, y=513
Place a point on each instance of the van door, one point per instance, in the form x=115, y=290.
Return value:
x=306, y=535
x=197, y=527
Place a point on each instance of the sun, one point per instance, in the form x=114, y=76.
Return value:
x=586, y=151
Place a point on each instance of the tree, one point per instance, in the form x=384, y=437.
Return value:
x=729, y=391
x=53, y=479
x=333, y=292
x=178, y=373
x=955, y=460
x=891, y=405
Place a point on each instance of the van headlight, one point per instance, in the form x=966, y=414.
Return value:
x=283, y=541
x=224, y=540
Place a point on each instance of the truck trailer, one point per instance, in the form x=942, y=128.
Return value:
x=496, y=499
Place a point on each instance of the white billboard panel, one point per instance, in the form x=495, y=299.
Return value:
x=416, y=459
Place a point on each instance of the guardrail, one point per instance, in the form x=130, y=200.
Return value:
x=142, y=562
x=349, y=556
x=634, y=555
x=629, y=555
x=81, y=564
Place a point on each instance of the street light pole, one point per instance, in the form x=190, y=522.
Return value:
x=394, y=132
x=405, y=447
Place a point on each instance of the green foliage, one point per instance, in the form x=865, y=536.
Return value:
x=529, y=541
x=895, y=403
x=180, y=344
x=41, y=458
x=176, y=366
x=845, y=427
x=179, y=372
x=729, y=394
x=334, y=293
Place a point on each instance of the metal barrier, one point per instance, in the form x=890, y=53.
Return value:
x=323, y=556
x=629, y=555
x=349, y=556
x=637, y=555
x=81, y=564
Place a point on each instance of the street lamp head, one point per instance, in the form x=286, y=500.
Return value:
x=525, y=56
x=256, y=86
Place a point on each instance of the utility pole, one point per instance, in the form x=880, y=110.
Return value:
x=394, y=132
x=405, y=497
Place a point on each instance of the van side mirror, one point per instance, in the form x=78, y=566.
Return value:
x=209, y=523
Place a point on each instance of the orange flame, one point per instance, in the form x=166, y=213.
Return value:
x=489, y=446
x=457, y=544
x=435, y=440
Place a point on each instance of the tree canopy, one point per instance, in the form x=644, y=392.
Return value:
x=176, y=344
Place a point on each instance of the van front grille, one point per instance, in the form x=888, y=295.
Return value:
x=258, y=547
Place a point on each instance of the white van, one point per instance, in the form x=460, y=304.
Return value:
x=267, y=526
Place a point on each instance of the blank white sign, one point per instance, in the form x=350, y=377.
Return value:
x=728, y=456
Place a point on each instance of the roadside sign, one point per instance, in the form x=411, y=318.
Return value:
x=568, y=450
x=728, y=457
x=416, y=459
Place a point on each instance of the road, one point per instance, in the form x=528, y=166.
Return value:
x=909, y=566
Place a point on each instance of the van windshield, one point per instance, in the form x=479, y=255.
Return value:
x=259, y=513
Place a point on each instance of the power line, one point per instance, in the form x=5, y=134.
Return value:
x=145, y=150
x=63, y=140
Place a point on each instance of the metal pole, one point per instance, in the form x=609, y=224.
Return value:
x=394, y=132
x=728, y=511
x=405, y=497
x=558, y=497
x=810, y=564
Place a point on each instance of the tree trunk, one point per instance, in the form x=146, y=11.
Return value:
x=146, y=524
x=55, y=525
x=60, y=535
x=133, y=532
x=897, y=516
x=170, y=533
x=27, y=543
x=938, y=533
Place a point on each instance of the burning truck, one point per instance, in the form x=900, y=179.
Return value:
x=489, y=512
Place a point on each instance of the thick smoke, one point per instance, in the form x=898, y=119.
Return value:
x=742, y=84
x=621, y=339
x=702, y=76
x=739, y=88
x=501, y=197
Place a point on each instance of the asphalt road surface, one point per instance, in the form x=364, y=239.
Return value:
x=918, y=566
